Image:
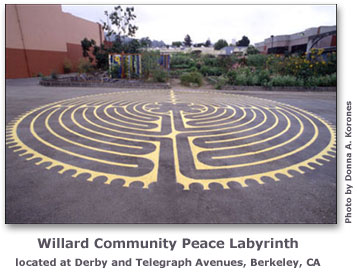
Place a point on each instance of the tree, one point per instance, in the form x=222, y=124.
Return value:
x=101, y=56
x=132, y=47
x=187, y=41
x=252, y=50
x=220, y=44
x=122, y=20
x=198, y=45
x=244, y=42
x=145, y=42
x=86, y=47
x=208, y=43
x=176, y=44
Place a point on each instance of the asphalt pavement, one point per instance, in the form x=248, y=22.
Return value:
x=91, y=155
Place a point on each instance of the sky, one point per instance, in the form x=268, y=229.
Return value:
x=173, y=22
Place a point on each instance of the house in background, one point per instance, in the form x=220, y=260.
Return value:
x=233, y=50
x=321, y=37
x=39, y=38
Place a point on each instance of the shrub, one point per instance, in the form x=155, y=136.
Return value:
x=232, y=76
x=252, y=50
x=101, y=57
x=210, y=60
x=114, y=71
x=67, y=66
x=321, y=81
x=181, y=61
x=244, y=70
x=221, y=81
x=252, y=80
x=160, y=75
x=84, y=66
x=267, y=84
x=176, y=73
x=211, y=71
x=263, y=76
x=227, y=62
x=54, y=75
x=284, y=80
x=241, y=80
x=327, y=80
x=299, y=82
x=191, y=78
x=303, y=67
x=257, y=60
x=333, y=79
x=244, y=76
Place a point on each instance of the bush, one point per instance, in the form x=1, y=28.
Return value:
x=241, y=80
x=67, y=66
x=252, y=80
x=252, y=50
x=191, y=78
x=243, y=77
x=54, y=75
x=227, y=62
x=333, y=79
x=84, y=66
x=257, y=60
x=211, y=71
x=263, y=76
x=114, y=71
x=221, y=81
x=160, y=75
x=232, y=76
x=284, y=80
x=176, y=73
x=210, y=60
x=181, y=61
x=321, y=81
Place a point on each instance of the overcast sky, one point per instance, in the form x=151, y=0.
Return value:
x=172, y=22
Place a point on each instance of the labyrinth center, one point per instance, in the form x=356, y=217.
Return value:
x=208, y=137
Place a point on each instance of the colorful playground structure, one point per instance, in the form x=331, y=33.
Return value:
x=129, y=65
x=165, y=61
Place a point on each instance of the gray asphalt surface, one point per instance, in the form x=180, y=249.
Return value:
x=37, y=195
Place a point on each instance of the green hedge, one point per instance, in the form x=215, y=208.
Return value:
x=160, y=75
x=191, y=78
x=209, y=71
x=246, y=77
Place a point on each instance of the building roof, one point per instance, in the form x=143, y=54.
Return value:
x=295, y=36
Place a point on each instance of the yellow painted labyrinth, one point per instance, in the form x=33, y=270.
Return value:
x=206, y=137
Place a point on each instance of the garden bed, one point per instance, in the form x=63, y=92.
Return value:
x=291, y=88
x=85, y=81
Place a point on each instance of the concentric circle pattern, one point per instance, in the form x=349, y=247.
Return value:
x=121, y=135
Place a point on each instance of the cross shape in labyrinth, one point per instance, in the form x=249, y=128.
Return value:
x=139, y=136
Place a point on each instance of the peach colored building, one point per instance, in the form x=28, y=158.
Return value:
x=40, y=37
